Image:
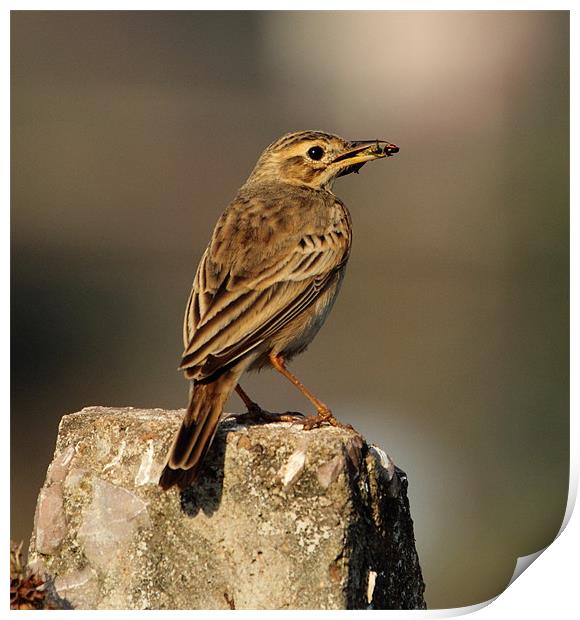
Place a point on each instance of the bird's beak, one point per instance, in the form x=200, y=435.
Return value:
x=361, y=151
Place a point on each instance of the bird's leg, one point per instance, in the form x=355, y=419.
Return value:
x=253, y=407
x=255, y=413
x=324, y=414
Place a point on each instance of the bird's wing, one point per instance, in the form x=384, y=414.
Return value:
x=224, y=322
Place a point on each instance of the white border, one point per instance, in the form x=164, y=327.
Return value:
x=548, y=586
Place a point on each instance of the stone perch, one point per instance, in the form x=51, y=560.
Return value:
x=281, y=519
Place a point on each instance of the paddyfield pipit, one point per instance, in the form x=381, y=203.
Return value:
x=266, y=283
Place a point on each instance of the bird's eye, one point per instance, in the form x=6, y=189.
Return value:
x=315, y=152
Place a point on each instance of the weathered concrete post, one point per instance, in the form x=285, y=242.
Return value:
x=281, y=519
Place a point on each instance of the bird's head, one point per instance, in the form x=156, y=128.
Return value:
x=314, y=158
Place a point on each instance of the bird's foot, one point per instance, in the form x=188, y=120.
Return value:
x=324, y=417
x=257, y=415
x=288, y=416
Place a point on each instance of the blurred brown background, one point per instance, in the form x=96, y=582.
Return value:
x=449, y=343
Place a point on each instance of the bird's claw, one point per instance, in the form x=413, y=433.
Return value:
x=316, y=421
x=257, y=415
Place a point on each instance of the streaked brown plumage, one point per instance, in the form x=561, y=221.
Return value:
x=266, y=282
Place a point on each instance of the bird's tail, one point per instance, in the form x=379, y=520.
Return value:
x=197, y=430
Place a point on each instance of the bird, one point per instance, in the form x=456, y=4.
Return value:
x=265, y=284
